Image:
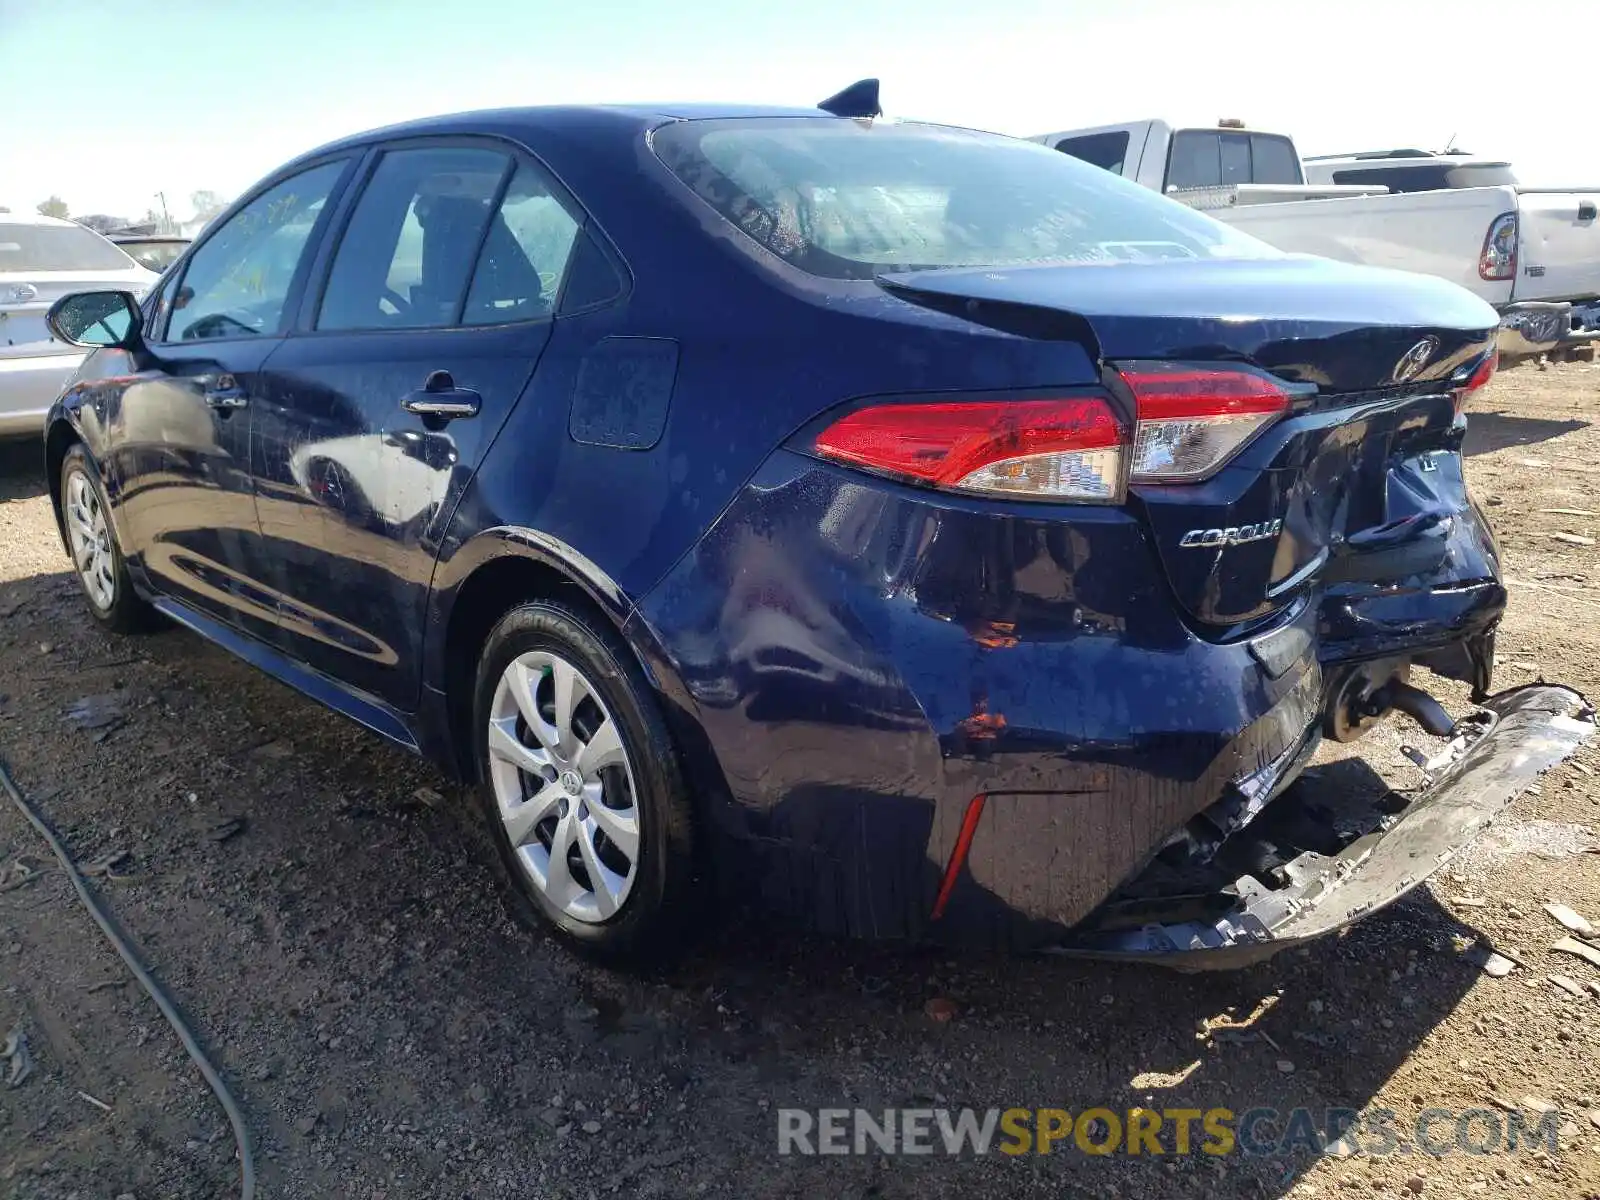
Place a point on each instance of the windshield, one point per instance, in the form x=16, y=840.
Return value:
x=57, y=248
x=846, y=199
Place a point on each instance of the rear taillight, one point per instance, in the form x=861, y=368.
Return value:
x=1065, y=449
x=1499, y=257
x=1193, y=419
x=1480, y=377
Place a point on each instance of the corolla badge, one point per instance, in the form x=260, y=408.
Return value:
x=1232, y=535
x=1414, y=359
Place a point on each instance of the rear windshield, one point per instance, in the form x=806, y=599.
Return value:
x=1429, y=177
x=1207, y=158
x=845, y=199
x=153, y=254
x=57, y=248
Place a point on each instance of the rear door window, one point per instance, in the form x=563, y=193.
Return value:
x=406, y=257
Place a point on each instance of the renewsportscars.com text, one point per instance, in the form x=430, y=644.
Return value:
x=1148, y=1131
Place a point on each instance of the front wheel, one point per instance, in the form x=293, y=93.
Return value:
x=581, y=784
x=92, y=542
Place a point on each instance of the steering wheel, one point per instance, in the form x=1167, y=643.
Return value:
x=220, y=324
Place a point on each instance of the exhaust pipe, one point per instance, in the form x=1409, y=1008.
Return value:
x=1370, y=691
x=1418, y=705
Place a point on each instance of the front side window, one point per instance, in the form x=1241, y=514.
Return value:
x=847, y=199
x=407, y=255
x=237, y=283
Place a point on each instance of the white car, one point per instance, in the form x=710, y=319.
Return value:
x=1532, y=253
x=41, y=260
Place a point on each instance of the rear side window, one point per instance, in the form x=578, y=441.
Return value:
x=525, y=254
x=1108, y=151
x=57, y=248
x=406, y=256
x=846, y=199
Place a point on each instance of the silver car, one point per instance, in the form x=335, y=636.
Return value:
x=41, y=260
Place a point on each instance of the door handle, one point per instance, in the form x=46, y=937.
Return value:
x=1586, y=210
x=224, y=393
x=440, y=397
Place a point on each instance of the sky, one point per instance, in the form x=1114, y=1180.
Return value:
x=110, y=103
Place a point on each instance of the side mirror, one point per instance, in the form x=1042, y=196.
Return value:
x=95, y=319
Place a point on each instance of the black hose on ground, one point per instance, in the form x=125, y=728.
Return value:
x=241, y=1134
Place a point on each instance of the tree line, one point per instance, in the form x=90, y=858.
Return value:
x=205, y=203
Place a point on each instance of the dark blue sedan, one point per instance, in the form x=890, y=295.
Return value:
x=911, y=530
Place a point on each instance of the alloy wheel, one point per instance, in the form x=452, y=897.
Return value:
x=90, y=538
x=564, y=786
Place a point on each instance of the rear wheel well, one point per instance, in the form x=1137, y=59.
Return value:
x=490, y=592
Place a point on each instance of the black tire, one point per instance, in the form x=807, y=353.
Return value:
x=126, y=612
x=649, y=926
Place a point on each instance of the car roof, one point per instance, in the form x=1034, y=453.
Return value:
x=33, y=218
x=1379, y=159
x=559, y=118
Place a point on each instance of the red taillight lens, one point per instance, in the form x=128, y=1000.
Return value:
x=1192, y=419
x=1480, y=377
x=1066, y=449
x=1485, y=372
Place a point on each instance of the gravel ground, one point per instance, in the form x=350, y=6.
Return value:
x=325, y=910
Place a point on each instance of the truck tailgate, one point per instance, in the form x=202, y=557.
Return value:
x=1559, y=245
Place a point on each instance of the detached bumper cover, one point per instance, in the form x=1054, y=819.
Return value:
x=1500, y=751
x=1533, y=327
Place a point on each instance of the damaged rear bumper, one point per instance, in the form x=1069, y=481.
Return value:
x=1495, y=755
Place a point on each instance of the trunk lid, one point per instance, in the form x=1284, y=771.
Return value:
x=1359, y=481
x=26, y=297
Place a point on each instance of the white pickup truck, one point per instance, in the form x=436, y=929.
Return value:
x=1532, y=253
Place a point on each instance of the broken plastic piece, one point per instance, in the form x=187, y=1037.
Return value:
x=1524, y=733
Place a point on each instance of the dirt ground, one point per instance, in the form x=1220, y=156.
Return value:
x=337, y=938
